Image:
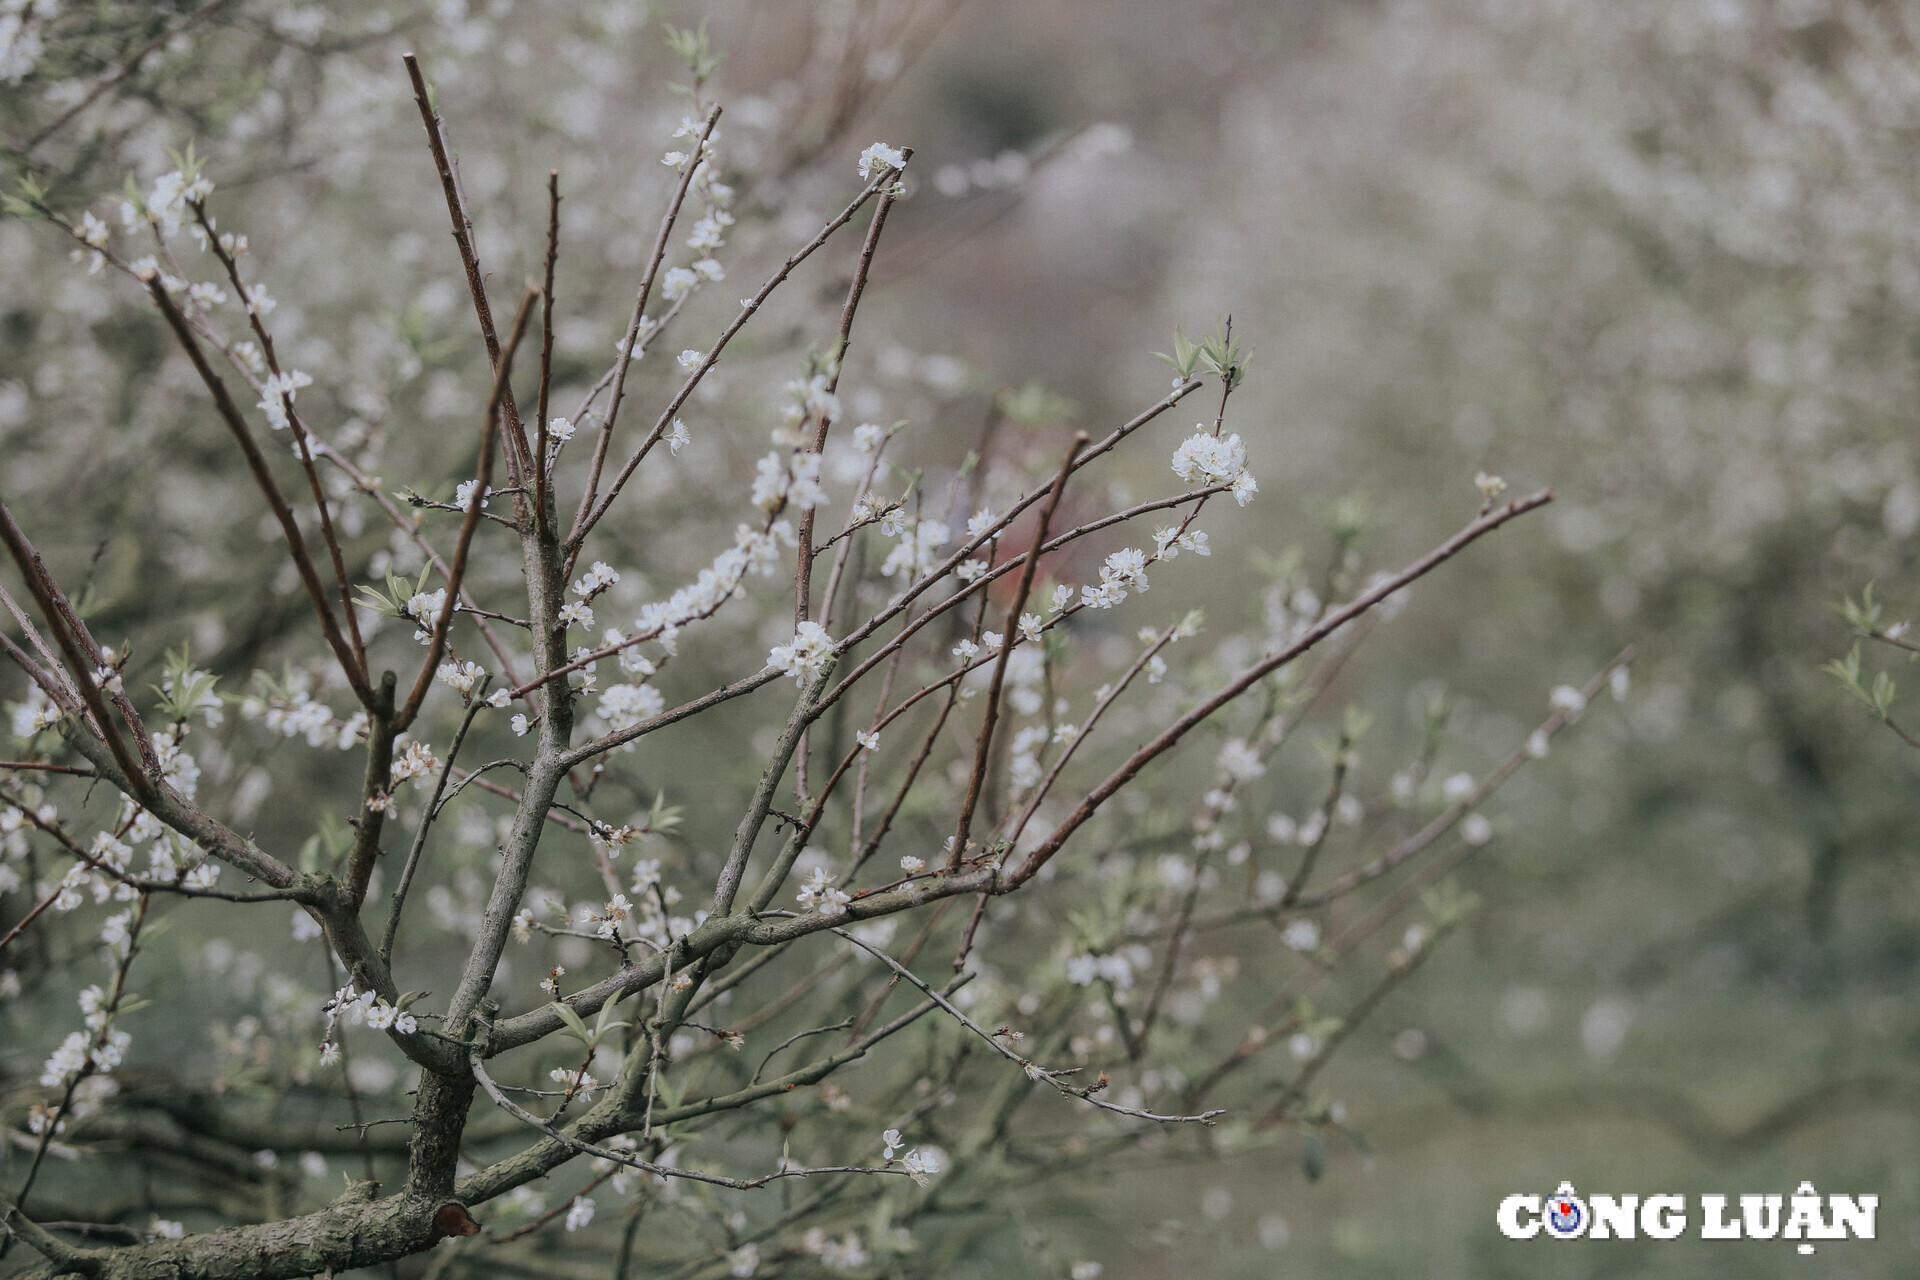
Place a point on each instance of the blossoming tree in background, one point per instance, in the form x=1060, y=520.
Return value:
x=962, y=858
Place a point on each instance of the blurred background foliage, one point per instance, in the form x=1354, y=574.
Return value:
x=1661, y=254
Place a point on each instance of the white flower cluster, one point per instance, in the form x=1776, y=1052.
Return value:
x=1168, y=543
x=1207, y=459
x=623, y=706
x=578, y=1082
x=805, y=655
x=678, y=282
x=93, y=231
x=794, y=479
x=817, y=895
x=706, y=237
x=1114, y=968
x=37, y=713
x=844, y=1254
x=167, y=201
x=460, y=676
x=752, y=549
x=1123, y=569
x=807, y=398
x=20, y=43
x=416, y=761
x=1239, y=761
x=299, y=714
x=424, y=607
x=617, y=914
x=921, y=1162
x=277, y=392
x=355, y=1007
x=1025, y=765
x=912, y=557
x=880, y=157
x=79, y=1052
x=1567, y=700
x=656, y=926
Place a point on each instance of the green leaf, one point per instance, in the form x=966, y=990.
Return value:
x=1221, y=355
x=692, y=47
x=1351, y=515
x=576, y=1027
x=1185, y=357
x=1863, y=617
x=1883, y=694
x=663, y=817
x=183, y=689
x=605, y=1023
x=1035, y=406
x=31, y=202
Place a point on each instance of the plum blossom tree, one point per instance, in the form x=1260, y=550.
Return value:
x=958, y=853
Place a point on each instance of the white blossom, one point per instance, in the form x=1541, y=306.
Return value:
x=460, y=676
x=1205, y=458
x=1301, y=935
x=1567, y=700
x=596, y=579
x=623, y=706
x=921, y=1164
x=278, y=392
x=1240, y=761
x=677, y=283
x=880, y=157
x=817, y=895
x=806, y=655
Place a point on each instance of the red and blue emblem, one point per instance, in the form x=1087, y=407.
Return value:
x=1565, y=1214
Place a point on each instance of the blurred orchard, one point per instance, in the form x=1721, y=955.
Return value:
x=1429, y=902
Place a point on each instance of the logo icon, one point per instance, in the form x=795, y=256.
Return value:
x=1566, y=1213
